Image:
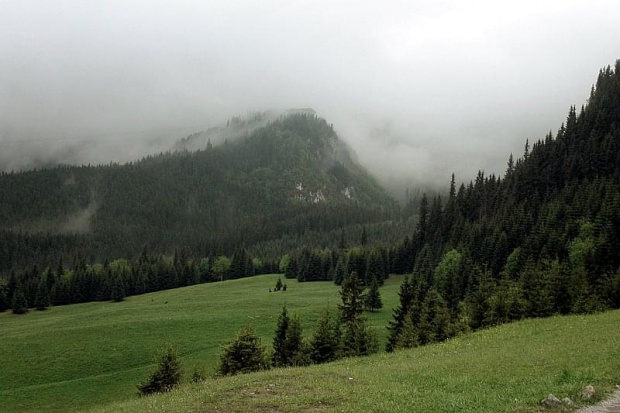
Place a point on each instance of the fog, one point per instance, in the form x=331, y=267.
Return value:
x=419, y=89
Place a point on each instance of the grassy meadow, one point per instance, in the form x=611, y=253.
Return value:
x=73, y=357
x=505, y=369
x=89, y=357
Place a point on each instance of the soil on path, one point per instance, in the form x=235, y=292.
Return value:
x=611, y=405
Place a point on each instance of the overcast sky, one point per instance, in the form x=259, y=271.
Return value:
x=418, y=88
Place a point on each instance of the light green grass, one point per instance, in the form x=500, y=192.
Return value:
x=74, y=357
x=505, y=369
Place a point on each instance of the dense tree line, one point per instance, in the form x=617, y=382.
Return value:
x=80, y=283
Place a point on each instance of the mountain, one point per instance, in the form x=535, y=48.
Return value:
x=290, y=175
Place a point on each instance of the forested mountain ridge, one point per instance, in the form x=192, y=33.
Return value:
x=291, y=175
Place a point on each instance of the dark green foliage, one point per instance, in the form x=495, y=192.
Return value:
x=324, y=346
x=244, y=354
x=118, y=290
x=357, y=337
x=289, y=348
x=42, y=300
x=352, y=306
x=4, y=299
x=408, y=336
x=395, y=327
x=19, y=305
x=280, y=356
x=279, y=284
x=166, y=376
x=296, y=347
x=372, y=299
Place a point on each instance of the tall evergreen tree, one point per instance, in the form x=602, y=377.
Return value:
x=324, y=343
x=373, y=297
x=280, y=356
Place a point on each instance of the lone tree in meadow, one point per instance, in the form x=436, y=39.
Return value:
x=167, y=375
x=278, y=284
x=244, y=354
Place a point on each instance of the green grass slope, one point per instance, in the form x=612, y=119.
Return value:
x=505, y=369
x=75, y=357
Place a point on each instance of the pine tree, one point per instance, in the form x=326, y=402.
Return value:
x=341, y=270
x=400, y=313
x=364, y=237
x=166, y=376
x=408, y=336
x=280, y=356
x=358, y=338
x=244, y=354
x=296, y=348
x=324, y=342
x=352, y=306
x=118, y=290
x=373, y=297
x=278, y=284
x=42, y=300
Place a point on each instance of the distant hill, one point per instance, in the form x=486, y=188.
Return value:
x=285, y=175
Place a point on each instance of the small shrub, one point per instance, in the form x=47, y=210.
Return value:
x=167, y=375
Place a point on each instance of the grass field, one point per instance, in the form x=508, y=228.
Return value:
x=74, y=357
x=91, y=356
x=505, y=369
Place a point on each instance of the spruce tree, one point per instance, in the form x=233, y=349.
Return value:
x=373, y=297
x=324, y=343
x=280, y=356
x=408, y=336
x=244, y=354
x=358, y=338
x=42, y=301
x=118, y=290
x=406, y=295
x=352, y=306
x=166, y=376
x=296, y=348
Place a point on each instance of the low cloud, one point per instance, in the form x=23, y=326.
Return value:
x=418, y=89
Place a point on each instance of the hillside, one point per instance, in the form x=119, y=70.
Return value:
x=288, y=176
x=505, y=369
x=77, y=356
